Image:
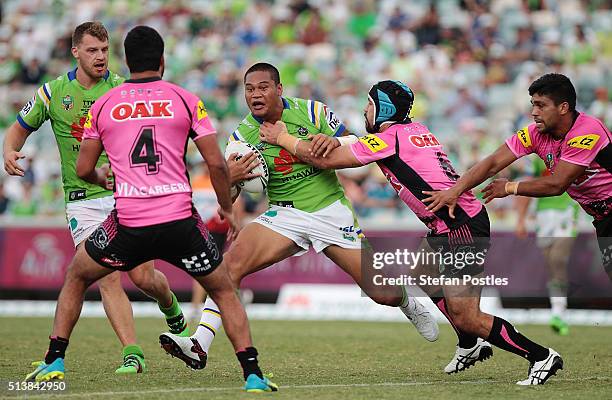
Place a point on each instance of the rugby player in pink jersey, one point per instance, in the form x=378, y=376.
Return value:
x=144, y=126
x=575, y=148
x=414, y=161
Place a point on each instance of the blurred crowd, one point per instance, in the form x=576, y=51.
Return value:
x=469, y=62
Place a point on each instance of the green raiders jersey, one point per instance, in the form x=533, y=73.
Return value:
x=66, y=103
x=560, y=202
x=292, y=182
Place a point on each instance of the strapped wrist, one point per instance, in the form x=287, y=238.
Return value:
x=511, y=187
x=289, y=142
x=346, y=140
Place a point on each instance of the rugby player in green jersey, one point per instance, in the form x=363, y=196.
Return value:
x=556, y=228
x=66, y=101
x=307, y=207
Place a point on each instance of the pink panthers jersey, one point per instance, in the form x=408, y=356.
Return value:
x=412, y=159
x=586, y=144
x=144, y=126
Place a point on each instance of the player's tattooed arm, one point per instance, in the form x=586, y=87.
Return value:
x=339, y=157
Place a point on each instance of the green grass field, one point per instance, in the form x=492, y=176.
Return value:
x=310, y=360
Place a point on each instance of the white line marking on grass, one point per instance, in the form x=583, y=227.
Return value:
x=285, y=387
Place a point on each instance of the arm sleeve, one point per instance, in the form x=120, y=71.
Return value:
x=36, y=111
x=325, y=119
x=372, y=148
x=523, y=142
x=582, y=149
x=201, y=125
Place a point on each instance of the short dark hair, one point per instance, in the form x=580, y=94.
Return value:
x=144, y=48
x=556, y=86
x=266, y=68
x=93, y=28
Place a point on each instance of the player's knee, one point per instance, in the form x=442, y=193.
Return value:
x=110, y=283
x=234, y=269
x=76, y=274
x=139, y=279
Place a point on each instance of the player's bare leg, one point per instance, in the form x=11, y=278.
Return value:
x=465, y=313
x=82, y=272
x=557, y=257
x=119, y=312
x=155, y=285
x=255, y=248
x=470, y=348
x=350, y=260
x=118, y=308
x=221, y=290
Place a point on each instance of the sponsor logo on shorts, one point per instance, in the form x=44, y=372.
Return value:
x=271, y=213
x=73, y=224
x=113, y=262
x=265, y=219
x=348, y=236
x=524, y=137
x=197, y=263
x=374, y=143
x=77, y=195
x=586, y=142
x=350, y=232
x=99, y=238
x=212, y=249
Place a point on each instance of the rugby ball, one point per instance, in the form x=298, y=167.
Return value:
x=253, y=185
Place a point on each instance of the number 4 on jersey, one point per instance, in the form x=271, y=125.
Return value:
x=144, y=151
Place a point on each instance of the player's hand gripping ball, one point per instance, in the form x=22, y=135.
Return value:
x=256, y=184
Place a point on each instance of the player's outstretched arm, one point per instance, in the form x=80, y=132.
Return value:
x=339, y=157
x=545, y=186
x=14, y=140
x=484, y=169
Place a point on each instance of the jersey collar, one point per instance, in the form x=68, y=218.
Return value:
x=72, y=75
x=144, y=80
x=285, y=107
